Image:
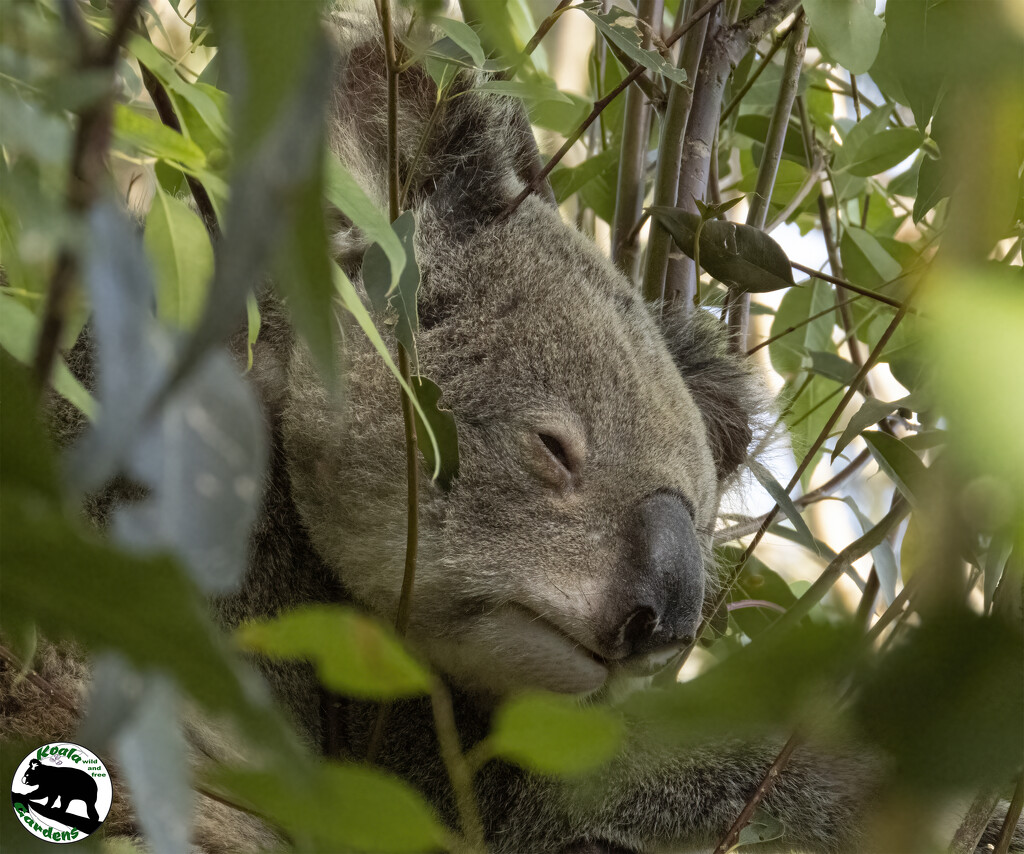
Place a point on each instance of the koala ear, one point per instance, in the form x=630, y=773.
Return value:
x=724, y=386
x=469, y=154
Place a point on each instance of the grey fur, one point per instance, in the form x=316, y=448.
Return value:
x=526, y=328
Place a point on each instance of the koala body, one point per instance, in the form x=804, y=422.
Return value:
x=595, y=435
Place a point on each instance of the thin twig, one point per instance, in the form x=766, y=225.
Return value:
x=756, y=73
x=857, y=289
x=763, y=788
x=598, y=108
x=796, y=326
x=88, y=173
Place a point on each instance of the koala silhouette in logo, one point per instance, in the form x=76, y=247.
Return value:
x=61, y=785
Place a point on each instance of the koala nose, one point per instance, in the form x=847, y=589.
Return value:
x=667, y=579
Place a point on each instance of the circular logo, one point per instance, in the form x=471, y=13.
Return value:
x=61, y=792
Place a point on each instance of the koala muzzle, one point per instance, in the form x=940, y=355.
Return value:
x=660, y=601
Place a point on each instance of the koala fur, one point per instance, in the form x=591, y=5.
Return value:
x=537, y=342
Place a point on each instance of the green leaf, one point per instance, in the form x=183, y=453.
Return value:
x=531, y=93
x=781, y=497
x=865, y=261
x=858, y=136
x=19, y=331
x=886, y=566
x=870, y=413
x=847, y=30
x=830, y=365
x=153, y=138
x=396, y=304
x=353, y=653
x=788, y=352
x=883, y=151
x=198, y=96
x=901, y=464
x=933, y=185
x=970, y=742
x=269, y=44
x=554, y=735
x=180, y=248
x=346, y=195
x=344, y=807
x=464, y=36
x=74, y=587
x=29, y=464
x=442, y=426
x=625, y=32
x=353, y=303
x=566, y=180
x=756, y=127
x=741, y=256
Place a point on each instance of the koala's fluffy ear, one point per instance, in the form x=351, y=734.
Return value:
x=722, y=382
x=468, y=154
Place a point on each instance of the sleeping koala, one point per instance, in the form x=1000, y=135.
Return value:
x=595, y=434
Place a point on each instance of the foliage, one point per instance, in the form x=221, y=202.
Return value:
x=899, y=371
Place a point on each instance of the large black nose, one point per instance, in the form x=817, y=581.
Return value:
x=664, y=588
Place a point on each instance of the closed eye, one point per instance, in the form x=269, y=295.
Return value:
x=557, y=450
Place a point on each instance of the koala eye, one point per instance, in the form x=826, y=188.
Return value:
x=557, y=460
x=556, y=449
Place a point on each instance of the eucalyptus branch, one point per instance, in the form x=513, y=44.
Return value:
x=738, y=312
x=670, y=149
x=764, y=787
x=87, y=174
x=165, y=110
x=629, y=198
x=974, y=822
x=727, y=45
x=1012, y=817
x=542, y=30
x=756, y=73
x=459, y=771
x=599, y=106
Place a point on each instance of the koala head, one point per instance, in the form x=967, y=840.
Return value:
x=595, y=431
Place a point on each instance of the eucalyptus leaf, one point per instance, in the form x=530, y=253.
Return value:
x=781, y=497
x=396, y=304
x=848, y=31
x=738, y=255
x=871, y=412
x=342, y=806
x=442, y=426
x=151, y=137
x=901, y=464
x=625, y=31
x=554, y=735
x=179, y=245
x=353, y=653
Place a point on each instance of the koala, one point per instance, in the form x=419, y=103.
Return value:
x=573, y=550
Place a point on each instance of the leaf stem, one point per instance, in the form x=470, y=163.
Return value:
x=857, y=289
